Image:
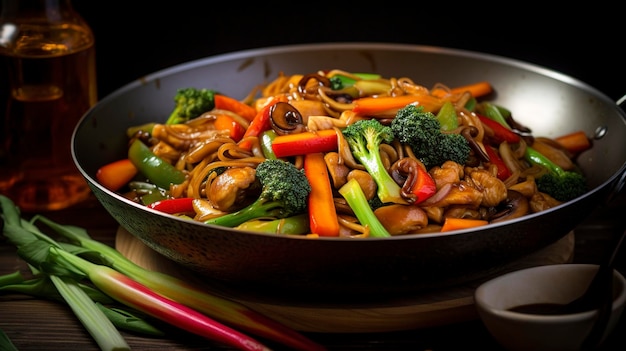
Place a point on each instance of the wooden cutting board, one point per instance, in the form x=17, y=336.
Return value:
x=434, y=308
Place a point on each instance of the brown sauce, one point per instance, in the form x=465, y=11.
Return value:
x=541, y=309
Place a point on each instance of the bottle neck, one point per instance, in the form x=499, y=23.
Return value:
x=51, y=11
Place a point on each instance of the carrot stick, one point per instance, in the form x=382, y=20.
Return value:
x=377, y=105
x=115, y=175
x=228, y=103
x=452, y=223
x=322, y=214
x=574, y=142
x=477, y=89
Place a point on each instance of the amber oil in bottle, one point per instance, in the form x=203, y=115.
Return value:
x=50, y=54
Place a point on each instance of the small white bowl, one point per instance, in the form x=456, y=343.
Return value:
x=558, y=283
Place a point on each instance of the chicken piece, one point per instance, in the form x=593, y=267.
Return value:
x=449, y=172
x=184, y=136
x=541, y=202
x=462, y=212
x=493, y=189
x=230, y=189
x=166, y=152
x=528, y=187
x=435, y=214
x=463, y=193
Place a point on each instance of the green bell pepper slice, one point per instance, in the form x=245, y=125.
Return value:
x=153, y=167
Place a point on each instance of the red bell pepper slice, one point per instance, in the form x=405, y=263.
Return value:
x=500, y=132
x=305, y=143
x=495, y=159
x=260, y=123
x=183, y=205
x=424, y=186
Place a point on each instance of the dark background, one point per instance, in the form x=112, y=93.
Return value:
x=135, y=38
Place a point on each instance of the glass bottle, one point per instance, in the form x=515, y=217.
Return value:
x=49, y=51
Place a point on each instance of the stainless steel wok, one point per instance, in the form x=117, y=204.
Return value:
x=550, y=103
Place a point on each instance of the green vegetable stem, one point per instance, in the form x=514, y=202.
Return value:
x=33, y=246
x=364, y=138
x=352, y=192
x=216, y=307
x=145, y=293
x=133, y=294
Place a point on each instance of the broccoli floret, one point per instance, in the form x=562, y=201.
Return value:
x=364, y=138
x=560, y=184
x=375, y=203
x=284, y=193
x=336, y=83
x=352, y=192
x=421, y=131
x=191, y=103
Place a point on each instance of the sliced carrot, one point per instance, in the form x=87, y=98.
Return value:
x=306, y=142
x=390, y=104
x=477, y=89
x=231, y=104
x=115, y=175
x=574, y=142
x=226, y=122
x=452, y=223
x=322, y=213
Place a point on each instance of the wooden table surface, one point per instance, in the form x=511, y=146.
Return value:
x=35, y=324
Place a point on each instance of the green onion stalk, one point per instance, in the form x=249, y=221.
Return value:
x=172, y=288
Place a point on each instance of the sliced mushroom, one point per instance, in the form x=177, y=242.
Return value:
x=469, y=133
x=402, y=219
x=336, y=169
x=302, y=85
x=286, y=119
x=516, y=205
x=405, y=172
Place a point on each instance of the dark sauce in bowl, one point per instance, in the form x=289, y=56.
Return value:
x=544, y=309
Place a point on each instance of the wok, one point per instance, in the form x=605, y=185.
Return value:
x=550, y=103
